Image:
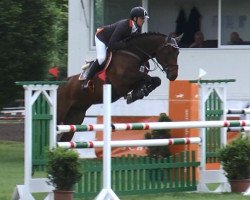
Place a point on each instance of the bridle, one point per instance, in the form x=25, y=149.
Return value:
x=149, y=57
x=166, y=44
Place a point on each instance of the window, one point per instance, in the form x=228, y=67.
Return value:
x=218, y=19
x=166, y=16
x=235, y=22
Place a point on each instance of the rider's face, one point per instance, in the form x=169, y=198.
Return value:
x=140, y=21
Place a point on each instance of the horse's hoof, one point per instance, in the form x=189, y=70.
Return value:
x=129, y=99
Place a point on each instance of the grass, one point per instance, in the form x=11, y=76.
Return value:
x=11, y=167
x=183, y=196
x=11, y=174
x=187, y=196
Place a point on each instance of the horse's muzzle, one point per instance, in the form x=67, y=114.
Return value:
x=172, y=75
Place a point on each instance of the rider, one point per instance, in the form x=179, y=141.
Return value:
x=111, y=36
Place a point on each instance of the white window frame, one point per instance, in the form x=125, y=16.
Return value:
x=145, y=29
x=91, y=31
x=225, y=46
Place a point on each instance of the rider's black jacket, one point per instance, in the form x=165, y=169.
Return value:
x=111, y=35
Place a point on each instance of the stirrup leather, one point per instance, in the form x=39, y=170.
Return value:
x=88, y=83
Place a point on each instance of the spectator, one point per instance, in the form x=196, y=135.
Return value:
x=198, y=40
x=235, y=39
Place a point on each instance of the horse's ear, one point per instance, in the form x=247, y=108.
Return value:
x=178, y=39
x=168, y=39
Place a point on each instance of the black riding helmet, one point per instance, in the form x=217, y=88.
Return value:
x=138, y=12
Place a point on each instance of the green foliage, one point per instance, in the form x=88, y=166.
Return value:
x=162, y=151
x=33, y=39
x=64, y=168
x=60, y=27
x=235, y=158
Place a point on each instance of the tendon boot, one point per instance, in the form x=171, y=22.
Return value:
x=94, y=68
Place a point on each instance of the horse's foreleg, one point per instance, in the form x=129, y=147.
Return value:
x=143, y=89
x=137, y=93
x=151, y=84
x=147, y=86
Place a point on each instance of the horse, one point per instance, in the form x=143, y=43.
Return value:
x=125, y=73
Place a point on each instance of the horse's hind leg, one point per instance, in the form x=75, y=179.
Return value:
x=74, y=116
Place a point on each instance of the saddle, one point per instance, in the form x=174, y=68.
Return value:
x=101, y=74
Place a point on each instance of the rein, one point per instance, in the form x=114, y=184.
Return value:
x=139, y=59
x=131, y=54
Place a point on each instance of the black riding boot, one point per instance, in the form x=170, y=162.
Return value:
x=95, y=67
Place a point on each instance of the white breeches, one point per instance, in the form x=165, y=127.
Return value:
x=100, y=50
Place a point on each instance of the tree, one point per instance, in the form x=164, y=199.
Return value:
x=31, y=42
x=60, y=28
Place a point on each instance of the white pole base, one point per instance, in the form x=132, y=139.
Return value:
x=247, y=193
x=21, y=192
x=107, y=194
x=213, y=176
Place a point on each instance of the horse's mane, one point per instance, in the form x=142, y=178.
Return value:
x=142, y=35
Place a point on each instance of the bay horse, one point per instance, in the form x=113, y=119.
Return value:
x=124, y=73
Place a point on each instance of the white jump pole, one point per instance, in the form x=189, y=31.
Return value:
x=156, y=125
x=107, y=193
x=129, y=143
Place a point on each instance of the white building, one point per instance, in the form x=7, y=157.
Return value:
x=219, y=19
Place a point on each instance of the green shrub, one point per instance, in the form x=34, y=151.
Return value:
x=235, y=158
x=63, y=168
x=160, y=151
